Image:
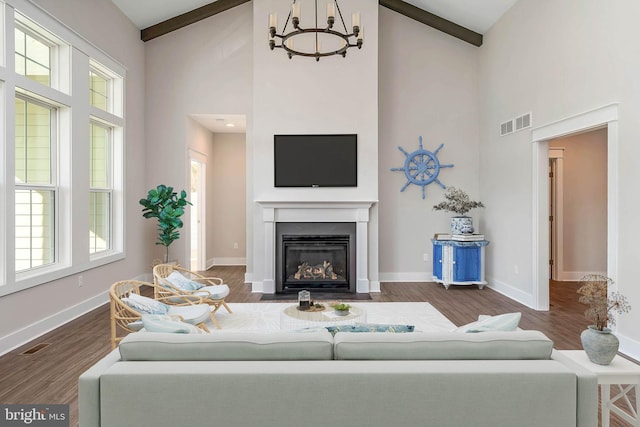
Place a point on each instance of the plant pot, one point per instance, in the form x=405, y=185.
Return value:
x=341, y=312
x=461, y=225
x=601, y=346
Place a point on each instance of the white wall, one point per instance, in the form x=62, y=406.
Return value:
x=226, y=195
x=334, y=95
x=204, y=68
x=31, y=312
x=580, y=59
x=428, y=87
x=584, y=236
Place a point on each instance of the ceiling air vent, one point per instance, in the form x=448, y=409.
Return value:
x=523, y=122
x=506, y=128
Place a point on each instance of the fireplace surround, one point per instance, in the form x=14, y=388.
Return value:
x=275, y=212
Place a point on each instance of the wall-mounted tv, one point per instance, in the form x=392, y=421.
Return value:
x=315, y=160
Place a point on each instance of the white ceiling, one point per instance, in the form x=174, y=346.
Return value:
x=222, y=123
x=477, y=15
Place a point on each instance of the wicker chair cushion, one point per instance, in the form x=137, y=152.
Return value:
x=183, y=283
x=213, y=292
x=165, y=323
x=145, y=305
x=194, y=314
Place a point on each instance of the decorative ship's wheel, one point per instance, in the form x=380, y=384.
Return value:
x=422, y=167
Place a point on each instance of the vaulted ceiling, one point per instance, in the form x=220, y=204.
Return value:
x=464, y=19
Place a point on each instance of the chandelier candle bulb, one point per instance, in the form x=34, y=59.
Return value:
x=331, y=10
x=273, y=20
x=361, y=35
x=355, y=22
x=295, y=11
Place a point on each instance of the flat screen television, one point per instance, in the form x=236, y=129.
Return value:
x=315, y=160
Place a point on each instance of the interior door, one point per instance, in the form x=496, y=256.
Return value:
x=198, y=212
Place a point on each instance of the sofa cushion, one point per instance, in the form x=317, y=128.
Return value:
x=227, y=346
x=517, y=345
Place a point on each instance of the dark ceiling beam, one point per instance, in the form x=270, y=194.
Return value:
x=399, y=6
x=188, y=18
x=434, y=21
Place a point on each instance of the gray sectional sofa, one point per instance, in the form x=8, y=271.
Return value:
x=490, y=379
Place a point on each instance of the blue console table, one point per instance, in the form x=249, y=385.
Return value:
x=459, y=263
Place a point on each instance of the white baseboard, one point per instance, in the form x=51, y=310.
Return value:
x=511, y=292
x=374, y=286
x=41, y=327
x=575, y=276
x=226, y=261
x=145, y=277
x=256, y=287
x=419, y=276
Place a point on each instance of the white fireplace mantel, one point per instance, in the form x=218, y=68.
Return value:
x=356, y=211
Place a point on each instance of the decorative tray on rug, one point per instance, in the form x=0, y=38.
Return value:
x=312, y=308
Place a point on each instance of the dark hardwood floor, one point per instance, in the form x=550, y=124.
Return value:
x=50, y=375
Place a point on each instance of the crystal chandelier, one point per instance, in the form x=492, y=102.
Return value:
x=315, y=42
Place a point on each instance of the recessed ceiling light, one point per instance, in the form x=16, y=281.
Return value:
x=230, y=125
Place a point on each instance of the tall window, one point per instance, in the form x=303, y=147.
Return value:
x=33, y=56
x=100, y=187
x=35, y=184
x=63, y=140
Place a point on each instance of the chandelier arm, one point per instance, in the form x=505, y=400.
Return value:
x=341, y=18
x=288, y=19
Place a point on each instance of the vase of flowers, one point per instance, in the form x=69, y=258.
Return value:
x=458, y=202
x=600, y=344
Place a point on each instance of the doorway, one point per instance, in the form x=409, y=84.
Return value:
x=556, y=217
x=197, y=184
x=606, y=116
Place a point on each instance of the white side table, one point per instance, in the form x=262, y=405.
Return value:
x=620, y=372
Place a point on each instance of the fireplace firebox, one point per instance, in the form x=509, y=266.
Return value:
x=315, y=256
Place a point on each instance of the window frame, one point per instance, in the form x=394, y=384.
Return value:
x=109, y=89
x=27, y=31
x=109, y=187
x=52, y=186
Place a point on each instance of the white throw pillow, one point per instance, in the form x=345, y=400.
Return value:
x=183, y=283
x=146, y=305
x=502, y=322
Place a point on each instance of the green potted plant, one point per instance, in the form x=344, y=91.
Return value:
x=458, y=202
x=341, y=309
x=167, y=206
x=597, y=340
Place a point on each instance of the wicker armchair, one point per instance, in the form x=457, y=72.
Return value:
x=213, y=292
x=187, y=308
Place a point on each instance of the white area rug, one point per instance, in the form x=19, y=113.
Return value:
x=265, y=317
